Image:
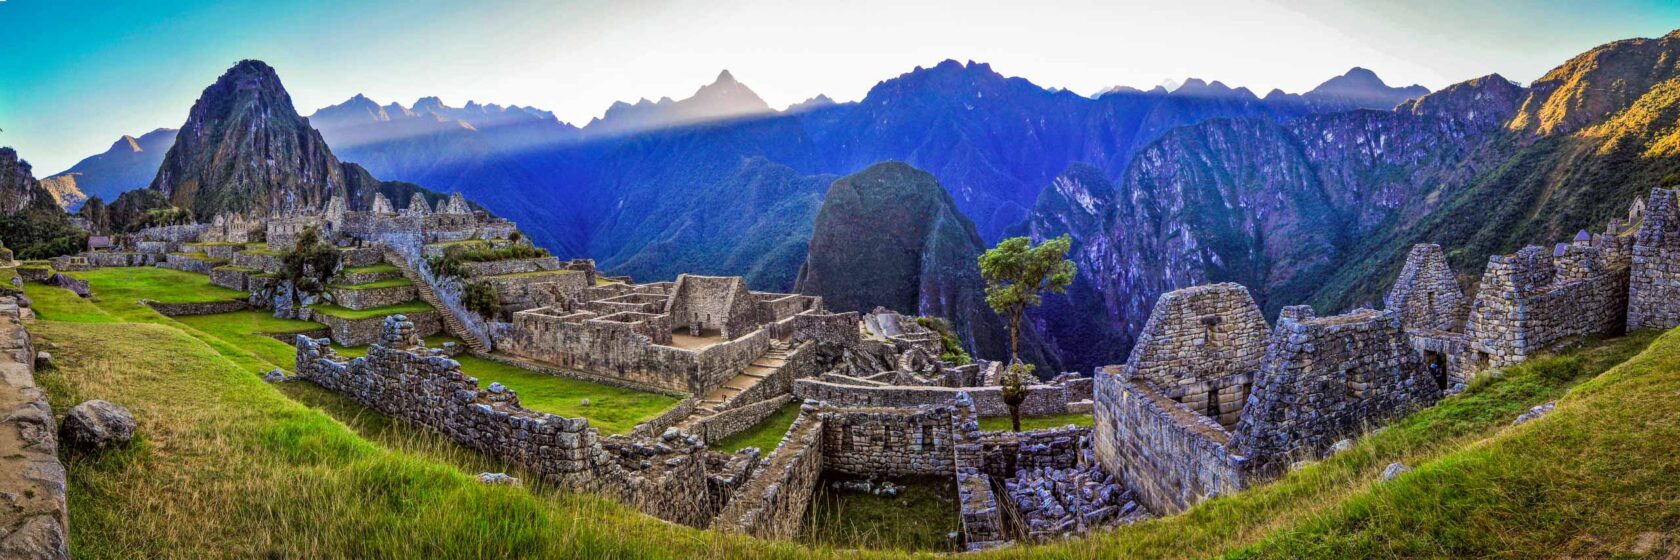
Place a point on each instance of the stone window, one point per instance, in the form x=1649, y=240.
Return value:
x=846, y=438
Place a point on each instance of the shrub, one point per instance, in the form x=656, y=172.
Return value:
x=950, y=348
x=480, y=298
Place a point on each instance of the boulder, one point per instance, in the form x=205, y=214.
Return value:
x=97, y=424
x=1394, y=470
x=497, y=478
x=1535, y=412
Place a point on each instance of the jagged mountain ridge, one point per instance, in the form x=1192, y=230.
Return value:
x=244, y=149
x=1321, y=209
x=130, y=163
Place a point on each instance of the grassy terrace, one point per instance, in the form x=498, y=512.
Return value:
x=764, y=435
x=415, y=306
x=197, y=257
x=388, y=283
x=243, y=337
x=370, y=269
x=1001, y=423
x=916, y=520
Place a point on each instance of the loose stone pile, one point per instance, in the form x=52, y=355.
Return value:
x=1056, y=502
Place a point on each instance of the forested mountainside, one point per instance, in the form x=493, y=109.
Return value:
x=993, y=142
x=1322, y=209
x=31, y=222
x=890, y=236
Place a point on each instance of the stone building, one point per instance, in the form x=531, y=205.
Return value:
x=1169, y=422
x=1654, y=287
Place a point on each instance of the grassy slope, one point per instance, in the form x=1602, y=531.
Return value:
x=239, y=335
x=764, y=435
x=1001, y=423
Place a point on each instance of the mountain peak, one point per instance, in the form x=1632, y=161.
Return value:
x=724, y=77
x=1361, y=87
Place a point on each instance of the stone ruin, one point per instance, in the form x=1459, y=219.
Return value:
x=1208, y=402
x=1654, y=287
x=421, y=386
x=1164, y=420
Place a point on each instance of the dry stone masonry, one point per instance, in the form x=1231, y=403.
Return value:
x=34, y=522
x=1170, y=422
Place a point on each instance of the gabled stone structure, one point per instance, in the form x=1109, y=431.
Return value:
x=417, y=206
x=1169, y=421
x=1426, y=294
x=1324, y=379
x=1654, y=287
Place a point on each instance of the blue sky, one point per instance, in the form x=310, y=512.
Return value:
x=75, y=74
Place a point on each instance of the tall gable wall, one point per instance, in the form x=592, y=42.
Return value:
x=1654, y=290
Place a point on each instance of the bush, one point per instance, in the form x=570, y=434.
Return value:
x=480, y=298
x=452, y=263
x=950, y=348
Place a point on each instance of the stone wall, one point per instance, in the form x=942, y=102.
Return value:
x=511, y=266
x=1003, y=453
x=713, y=303
x=610, y=347
x=119, y=259
x=200, y=308
x=1169, y=455
x=888, y=442
x=232, y=277
x=1534, y=300
x=359, y=332
x=258, y=261
x=35, y=522
x=1042, y=400
x=186, y=262
x=720, y=426
x=1426, y=294
x=1198, y=334
x=1654, y=290
x=351, y=297
x=1325, y=379
x=772, y=504
x=422, y=388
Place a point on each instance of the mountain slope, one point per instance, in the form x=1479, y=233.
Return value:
x=890, y=236
x=131, y=163
x=244, y=149
x=32, y=224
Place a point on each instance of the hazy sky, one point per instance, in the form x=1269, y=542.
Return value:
x=75, y=74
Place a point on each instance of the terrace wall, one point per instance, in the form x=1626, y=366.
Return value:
x=1654, y=290
x=35, y=521
x=430, y=391
x=1169, y=455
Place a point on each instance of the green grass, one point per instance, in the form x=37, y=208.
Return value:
x=415, y=306
x=387, y=283
x=240, y=335
x=119, y=290
x=370, y=269
x=1001, y=423
x=246, y=329
x=232, y=268
x=916, y=520
x=765, y=435
x=226, y=466
x=58, y=304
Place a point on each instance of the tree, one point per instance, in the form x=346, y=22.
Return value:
x=310, y=264
x=1017, y=273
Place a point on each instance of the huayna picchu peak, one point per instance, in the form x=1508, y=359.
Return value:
x=935, y=284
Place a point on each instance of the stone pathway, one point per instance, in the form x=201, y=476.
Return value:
x=713, y=402
x=451, y=323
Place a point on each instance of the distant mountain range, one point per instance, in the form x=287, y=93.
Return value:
x=131, y=163
x=1304, y=198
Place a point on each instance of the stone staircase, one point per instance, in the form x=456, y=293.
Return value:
x=715, y=400
x=451, y=323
